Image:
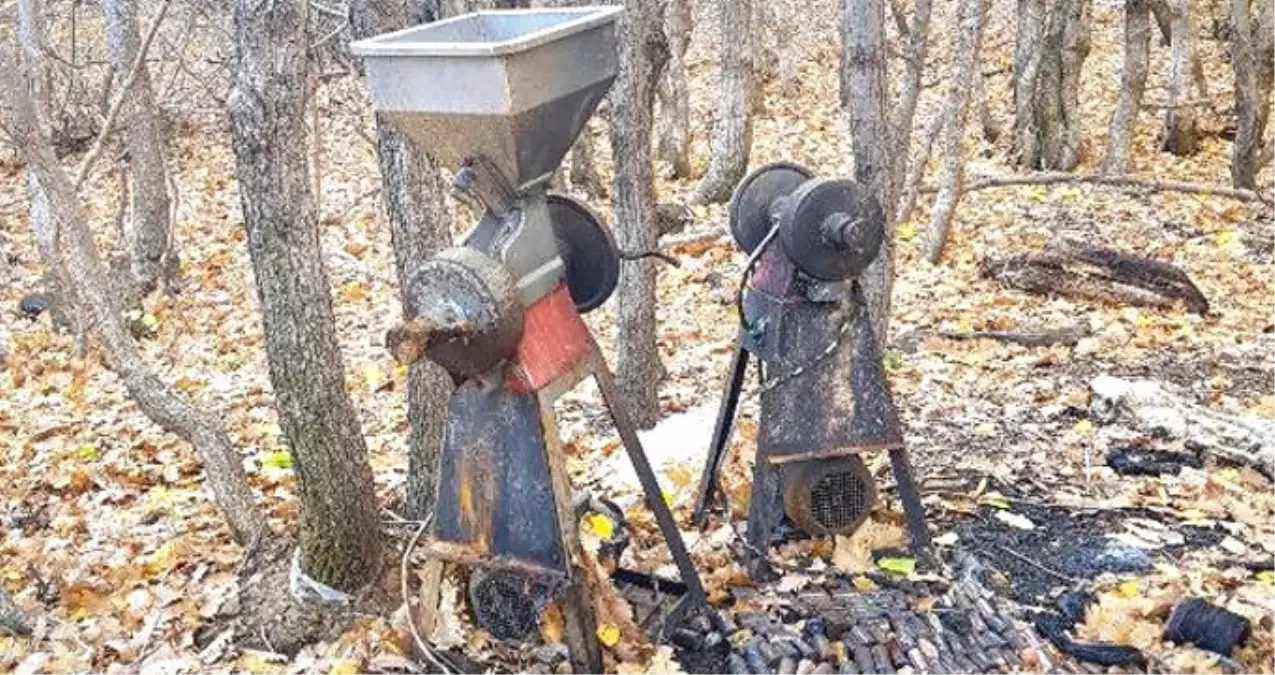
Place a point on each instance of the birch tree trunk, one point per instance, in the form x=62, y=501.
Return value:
x=153, y=251
x=1052, y=45
x=339, y=540
x=1253, y=60
x=642, y=56
x=871, y=143
x=1179, y=136
x=733, y=130
x=1133, y=82
x=419, y=226
x=968, y=43
x=87, y=278
x=674, y=144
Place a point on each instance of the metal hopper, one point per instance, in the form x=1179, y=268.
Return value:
x=512, y=87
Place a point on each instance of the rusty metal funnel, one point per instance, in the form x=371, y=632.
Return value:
x=513, y=87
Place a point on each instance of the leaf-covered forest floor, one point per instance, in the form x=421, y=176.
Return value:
x=111, y=543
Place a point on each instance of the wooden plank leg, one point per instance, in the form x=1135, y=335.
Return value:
x=579, y=618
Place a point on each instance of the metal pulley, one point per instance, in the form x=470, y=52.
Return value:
x=464, y=314
x=587, y=250
x=831, y=228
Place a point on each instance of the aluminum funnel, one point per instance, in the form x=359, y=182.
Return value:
x=515, y=86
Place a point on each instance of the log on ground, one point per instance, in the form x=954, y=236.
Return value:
x=1101, y=274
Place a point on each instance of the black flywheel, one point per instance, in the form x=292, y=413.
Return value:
x=754, y=198
x=587, y=249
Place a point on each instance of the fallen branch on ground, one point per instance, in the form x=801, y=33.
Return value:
x=1068, y=335
x=1093, y=273
x=1057, y=177
x=1150, y=408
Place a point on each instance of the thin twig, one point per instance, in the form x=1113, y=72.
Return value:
x=1033, y=563
x=118, y=103
x=411, y=617
x=330, y=11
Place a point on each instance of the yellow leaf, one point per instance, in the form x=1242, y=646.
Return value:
x=994, y=499
x=374, y=377
x=901, y=566
x=345, y=667
x=1227, y=475
x=401, y=371
x=88, y=452
x=678, y=475
x=601, y=526
x=1083, y=426
x=609, y=634
x=1142, y=320
x=985, y=429
x=907, y=231
x=1192, y=514
x=164, y=558
x=864, y=584
x=353, y=292
x=1267, y=577
x=1128, y=589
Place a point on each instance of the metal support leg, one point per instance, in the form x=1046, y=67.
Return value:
x=918, y=532
x=721, y=436
x=650, y=485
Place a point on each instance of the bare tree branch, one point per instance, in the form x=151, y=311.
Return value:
x=1053, y=178
x=120, y=98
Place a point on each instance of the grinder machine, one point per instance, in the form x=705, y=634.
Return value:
x=501, y=96
x=824, y=399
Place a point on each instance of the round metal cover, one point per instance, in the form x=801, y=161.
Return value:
x=507, y=602
x=830, y=496
x=802, y=229
x=467, y=291
x=587, y=249
x=754, y=197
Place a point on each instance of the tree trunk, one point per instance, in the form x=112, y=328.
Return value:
x=1133, y=82
x=909, y=90
x=674, y=144
x=733, y=130
x=584, y=168
x=1163, y=19
x=968, y=43
x=870, y=140
x=991, y=127
x=153, y=249
x=36, y=80
x=413, y=194
x=339, y=540
x=1180, y=137
x=1053, y=42
x=1252, y=57
x=86, y=273
x=642, y=57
